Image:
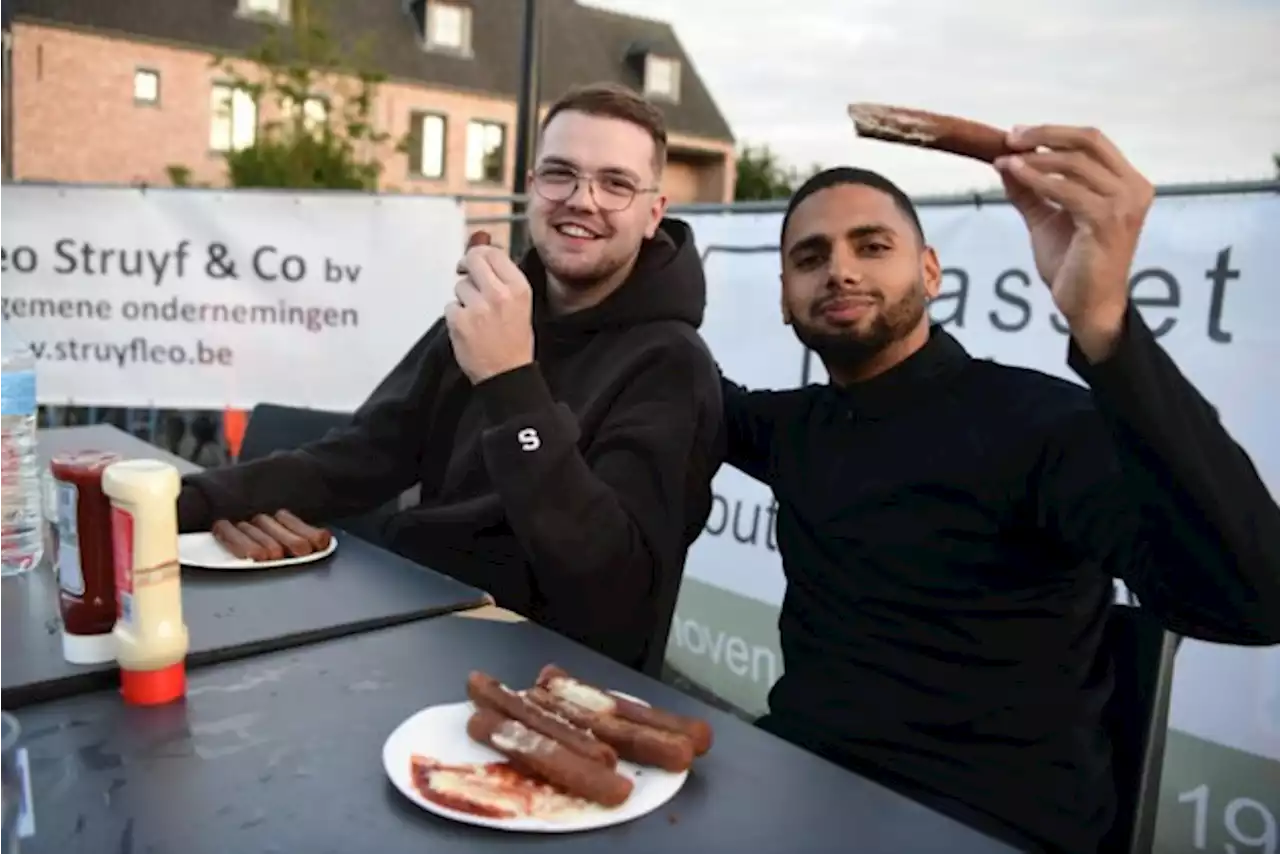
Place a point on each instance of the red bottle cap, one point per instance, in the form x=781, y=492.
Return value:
x=154, y=687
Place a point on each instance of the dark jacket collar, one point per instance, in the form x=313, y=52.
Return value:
x=921, y=373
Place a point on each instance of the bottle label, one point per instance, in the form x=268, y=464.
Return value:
x=18, y=393
x=122, y=558
x=70, y=575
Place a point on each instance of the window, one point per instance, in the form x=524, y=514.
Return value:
x=146, y=86
x=266, y=8
x=315, y=111
x=662, y=77
x=486, y=152
x=426, y=144
x=234, y=118
x=448, y=27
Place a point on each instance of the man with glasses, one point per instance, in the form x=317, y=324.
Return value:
x=562, y=418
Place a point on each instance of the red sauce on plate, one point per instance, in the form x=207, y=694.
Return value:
x=526, y=797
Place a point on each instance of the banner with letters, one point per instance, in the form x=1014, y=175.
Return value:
x=1207, y=280
x=205, y=299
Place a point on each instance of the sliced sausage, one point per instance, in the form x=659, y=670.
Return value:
x=296, y=546
x=231, y=539
x=318, y=537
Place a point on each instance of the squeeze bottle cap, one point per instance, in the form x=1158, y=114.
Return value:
x=154, y=687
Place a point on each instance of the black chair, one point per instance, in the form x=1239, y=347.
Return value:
x=274, y=428
x=1137, y=721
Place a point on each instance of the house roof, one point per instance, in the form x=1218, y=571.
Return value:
x=580, y=44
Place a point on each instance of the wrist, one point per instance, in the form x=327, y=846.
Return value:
x=1097, y=332
x=513, y=393
x=491, y=371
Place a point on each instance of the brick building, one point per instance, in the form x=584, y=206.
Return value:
x=117, y=91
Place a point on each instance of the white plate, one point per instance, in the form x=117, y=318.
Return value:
x=204, y=552
x=440, y=733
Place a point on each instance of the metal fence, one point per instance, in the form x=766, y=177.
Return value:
x=180, y=431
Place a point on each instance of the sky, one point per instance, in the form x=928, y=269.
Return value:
x=1188, y=89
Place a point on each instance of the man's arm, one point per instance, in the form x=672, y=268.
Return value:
x=602, y=525
x=1159, y=491
x=750, y=421
x=345, y=473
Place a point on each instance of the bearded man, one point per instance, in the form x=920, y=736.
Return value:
x=950, y=528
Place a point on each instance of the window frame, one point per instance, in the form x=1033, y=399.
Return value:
x=501, y=180
x=257, y=116
x=417, y=119
x=429, y=19
x=674, y=63
x=154, y=72
x=283, y=12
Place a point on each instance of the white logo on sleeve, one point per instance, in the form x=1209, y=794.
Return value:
x=529, y=439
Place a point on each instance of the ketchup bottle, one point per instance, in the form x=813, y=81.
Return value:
x=86, y=577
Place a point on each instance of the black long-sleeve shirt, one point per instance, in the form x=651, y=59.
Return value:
x=950, y=531
x=570, y=489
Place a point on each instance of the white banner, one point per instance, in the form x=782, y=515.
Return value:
x=202, y=299
x=1207, y=280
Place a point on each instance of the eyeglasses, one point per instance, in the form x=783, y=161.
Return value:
x=611, y=192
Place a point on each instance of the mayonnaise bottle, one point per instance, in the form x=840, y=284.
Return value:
x=151, y=637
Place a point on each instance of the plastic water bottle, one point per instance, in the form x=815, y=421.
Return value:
x=22, y=529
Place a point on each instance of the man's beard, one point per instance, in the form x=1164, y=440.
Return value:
x=850, y=349
x=581, y=278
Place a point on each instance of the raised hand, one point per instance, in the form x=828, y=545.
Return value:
x=1084, y=205
x=491, y=320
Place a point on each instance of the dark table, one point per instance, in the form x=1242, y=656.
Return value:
x=228, y=614
x=283, y=753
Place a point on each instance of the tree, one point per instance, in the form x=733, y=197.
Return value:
x=1275, y=158
x=323, y=135
x=761, y=175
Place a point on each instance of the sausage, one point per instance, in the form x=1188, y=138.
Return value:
x=231, y=539
x=535, y=755
x=480, y=238
x=929, y=130
x=562, y=684
x=296, y=546
x=318, y=537
x=488, y=693
x=634, y=742
x=274, y=550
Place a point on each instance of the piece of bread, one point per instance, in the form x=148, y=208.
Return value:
x=929, y=130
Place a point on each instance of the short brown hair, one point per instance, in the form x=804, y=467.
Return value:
x=615, y=101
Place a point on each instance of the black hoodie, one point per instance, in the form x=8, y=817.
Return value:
x=570, y=489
